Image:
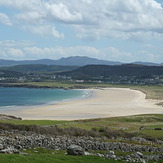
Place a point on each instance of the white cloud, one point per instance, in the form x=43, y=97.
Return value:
x=11, y=49
x=87, y=1
x=23, y=5
x=33, y=17
x=60, y=12
x=124, y=19
x=13, y=43
x=116, y=54
x=5, y=19
x=15, y=53
x=12, y=53
x=109, y=53
x=151, y=57
x=44, y=30
x=92, y=19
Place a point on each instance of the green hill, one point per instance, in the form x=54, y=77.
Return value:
x=39, y=68
x=92, y=71
x=11, y=74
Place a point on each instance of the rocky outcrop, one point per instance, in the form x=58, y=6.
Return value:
x=14, y=141
x=63, y=142
x=8, y=117
x=75, y=150
x=10, y=150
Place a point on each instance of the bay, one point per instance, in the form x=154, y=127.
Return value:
x=11, y=97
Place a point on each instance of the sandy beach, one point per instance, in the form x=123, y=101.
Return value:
x=110, y=102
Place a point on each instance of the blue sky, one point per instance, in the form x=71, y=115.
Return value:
x=115, y=30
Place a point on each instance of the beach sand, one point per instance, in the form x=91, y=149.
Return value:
x=109, y=102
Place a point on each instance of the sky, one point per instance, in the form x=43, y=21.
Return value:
x=114, y=30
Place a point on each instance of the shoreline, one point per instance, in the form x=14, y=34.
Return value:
x=102, y=103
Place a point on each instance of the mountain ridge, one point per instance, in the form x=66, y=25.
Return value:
x=70, y=61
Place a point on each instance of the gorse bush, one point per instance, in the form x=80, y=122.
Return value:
x=110, y=133
x=74, y=131
x=71, y=131
x=49, y=130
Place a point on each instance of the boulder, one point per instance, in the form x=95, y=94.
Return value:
x=10, y=150
x=1, y=146
x=140, y=154
x=111, y=155
x=75, y=150
x=111, y=152
x=9, y=117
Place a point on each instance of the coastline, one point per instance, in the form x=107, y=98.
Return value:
x=102, y=103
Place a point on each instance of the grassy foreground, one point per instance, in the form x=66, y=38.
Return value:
x=49, y=156
x=148, y=126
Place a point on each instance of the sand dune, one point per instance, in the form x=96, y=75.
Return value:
x=110, y=102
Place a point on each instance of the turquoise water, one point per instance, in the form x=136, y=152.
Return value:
x=11, y=97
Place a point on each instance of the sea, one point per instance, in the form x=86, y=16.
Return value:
x=20, y=97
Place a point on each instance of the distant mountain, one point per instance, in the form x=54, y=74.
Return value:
x=6, y=62
x=147, y=63
x=25, y=62
x=93, y=71
x=38, y=68
x=69, y=61
x=82, y=61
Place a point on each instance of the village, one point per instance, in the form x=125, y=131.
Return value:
x=44, y=77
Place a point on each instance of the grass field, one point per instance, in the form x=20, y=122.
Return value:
x=148, y=126
x=152, y=91
x=50, y=156
x=34, y=122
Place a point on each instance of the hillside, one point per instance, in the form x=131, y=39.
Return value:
x=92, y=71
x=117, y=74
x=10, y=74
x=38, y=68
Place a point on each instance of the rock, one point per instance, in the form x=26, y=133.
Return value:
x=11, y=141
x=87, y=153
x=9, y=117
x=23, y=153
x=112, y=156
x=1, y=146
x=99, y=155
x=143, y=161
x=75, y=150
x=10, y=150
x=111, y=152
x=140, y=154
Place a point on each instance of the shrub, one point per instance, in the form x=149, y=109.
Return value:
x=49, y=130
